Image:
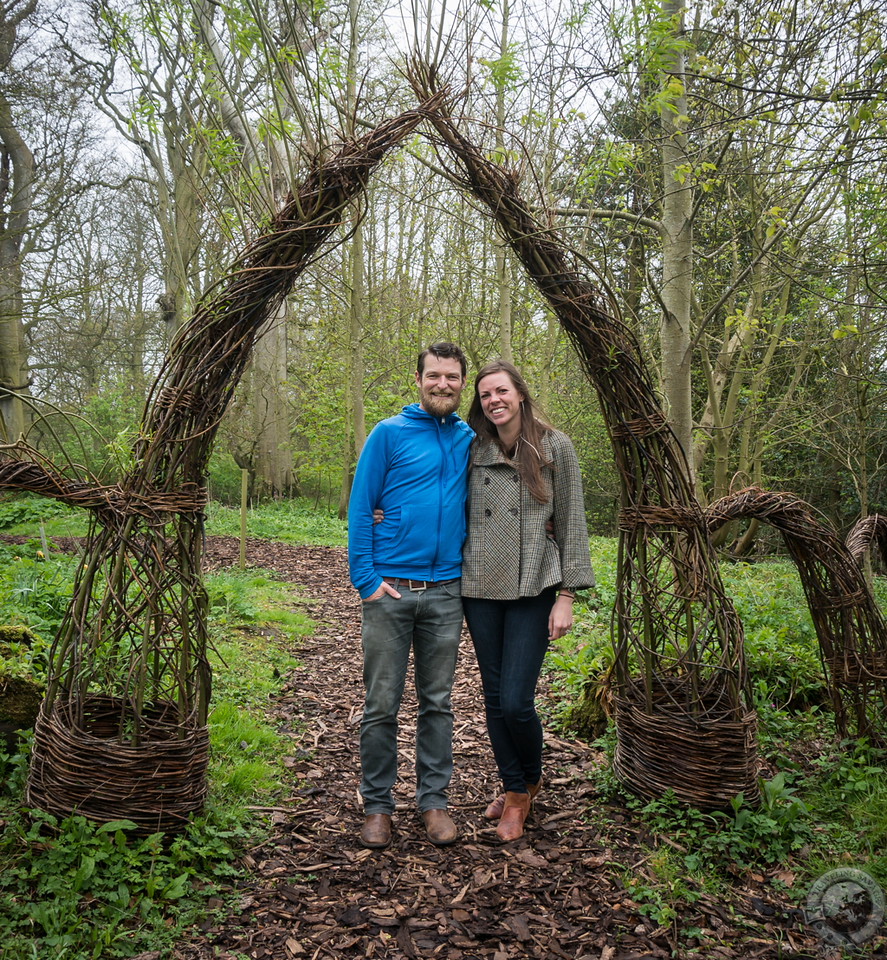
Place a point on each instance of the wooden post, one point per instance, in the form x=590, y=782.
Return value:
x=244, y=487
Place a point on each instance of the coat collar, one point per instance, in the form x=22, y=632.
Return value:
x=488, y=453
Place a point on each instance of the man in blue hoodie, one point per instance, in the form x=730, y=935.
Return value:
x=414, y=467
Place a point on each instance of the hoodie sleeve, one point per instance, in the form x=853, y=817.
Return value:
x=366, y=492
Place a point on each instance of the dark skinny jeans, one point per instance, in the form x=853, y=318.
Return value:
x=510, y=639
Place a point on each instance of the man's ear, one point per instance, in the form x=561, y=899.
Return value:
x=418, y=377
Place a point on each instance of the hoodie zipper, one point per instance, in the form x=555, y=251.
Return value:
x=440, y=492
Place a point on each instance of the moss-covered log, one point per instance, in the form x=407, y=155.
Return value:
x=19, y=705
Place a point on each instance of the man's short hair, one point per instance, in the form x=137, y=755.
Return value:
x=444, y=350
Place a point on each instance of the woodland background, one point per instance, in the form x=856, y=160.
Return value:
x=721, y=167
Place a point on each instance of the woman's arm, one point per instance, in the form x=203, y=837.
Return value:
x=570, y=525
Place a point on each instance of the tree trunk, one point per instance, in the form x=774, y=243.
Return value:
x=355, y=416
x=16, y=198
x=179, y=217
x=503, y=286
x=677, y=244
x=272, y=461
x=13, y=356
x=503, y=271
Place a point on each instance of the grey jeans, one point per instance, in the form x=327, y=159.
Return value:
x=430, y=622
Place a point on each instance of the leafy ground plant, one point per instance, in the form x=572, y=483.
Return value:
x=72, y=888
x=25, y=513
x=28, y=511
x=34, y=590
x=796, y=835
x=290, y=521
x=76, y=890
x=742, y=837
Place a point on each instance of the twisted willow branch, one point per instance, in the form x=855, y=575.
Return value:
x=851, y=629
x=870, y=533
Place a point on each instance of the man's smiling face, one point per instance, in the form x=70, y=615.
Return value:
x=440, y=385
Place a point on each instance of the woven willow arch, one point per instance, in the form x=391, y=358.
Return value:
x=850, y=627
x=122, y=732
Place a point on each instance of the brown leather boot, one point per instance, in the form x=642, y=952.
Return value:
x=494, y=810
x=376, y=831
x=440, y=828
x=517, y=809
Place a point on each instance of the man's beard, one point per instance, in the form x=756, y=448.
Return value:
x=441, y=406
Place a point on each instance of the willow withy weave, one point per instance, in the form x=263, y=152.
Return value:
x=122, y=731
x=851, y=630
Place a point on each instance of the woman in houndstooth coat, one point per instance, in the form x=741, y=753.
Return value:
x=525, y=557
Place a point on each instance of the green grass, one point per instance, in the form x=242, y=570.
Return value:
x=290, y=521
x=256, y=625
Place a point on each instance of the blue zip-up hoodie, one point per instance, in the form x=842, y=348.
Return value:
x=414, y=466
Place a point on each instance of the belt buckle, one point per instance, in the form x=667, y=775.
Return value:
x=421, y=589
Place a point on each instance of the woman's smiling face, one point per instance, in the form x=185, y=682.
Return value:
x=500, y=400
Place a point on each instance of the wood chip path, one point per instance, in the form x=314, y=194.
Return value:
x=311, y=892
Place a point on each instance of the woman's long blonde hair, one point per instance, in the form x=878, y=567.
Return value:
x=528, y=456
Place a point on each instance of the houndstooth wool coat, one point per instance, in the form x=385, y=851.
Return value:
x=508, y=553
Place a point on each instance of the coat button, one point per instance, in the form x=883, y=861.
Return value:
x=486, y=479
x=513, y=511
x=488, y=513
x=516, y=478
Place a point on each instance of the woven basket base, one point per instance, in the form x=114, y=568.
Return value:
x=706, y=763
x=83, y=769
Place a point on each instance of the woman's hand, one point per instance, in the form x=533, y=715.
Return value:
x=560, y=620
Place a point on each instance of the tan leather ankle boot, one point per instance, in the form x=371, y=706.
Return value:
x=494, y=810
x=517, y=809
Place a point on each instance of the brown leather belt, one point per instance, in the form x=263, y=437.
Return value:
x=416, y=584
